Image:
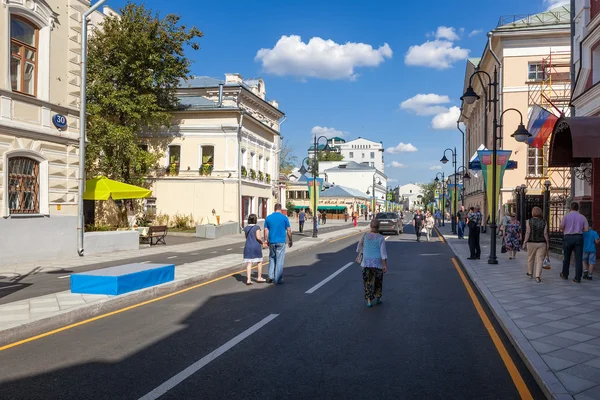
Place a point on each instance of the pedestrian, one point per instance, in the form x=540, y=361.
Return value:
x=537, y=243
x=319, y=216
x=590, y=240
x=301, y=219
x=371, y=249
x=438, y=218
x=503, y=222
x=429, y=224
x=253, y=250
x=324, y=217
x=366, y=215
x=474, y=223
x=354, y=218
x=345, y=216
x=417, y=223
x=573, y=225
x=461, y=222
x=277, y=226
x=512, y=236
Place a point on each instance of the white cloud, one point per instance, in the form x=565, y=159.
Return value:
x=446, y=32
x=435, y=168
x=396, y=164
x=320, y=58
x=475, y=32
x=426, y=104
x=402, y=148
x=446, y=120
x=440, y=54
x=327, y=132
x=556, y=3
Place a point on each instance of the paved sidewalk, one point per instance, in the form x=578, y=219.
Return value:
x=36, y=315
x=554, y=325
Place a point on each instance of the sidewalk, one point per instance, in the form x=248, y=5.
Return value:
x=37, y=315
x=554, y=325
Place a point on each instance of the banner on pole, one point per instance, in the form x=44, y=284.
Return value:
x=487, y=170
x=312, y=192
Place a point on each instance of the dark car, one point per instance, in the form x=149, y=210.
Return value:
x=389, y=222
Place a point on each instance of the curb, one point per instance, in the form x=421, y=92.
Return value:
x=81, y=313
x=543, y=375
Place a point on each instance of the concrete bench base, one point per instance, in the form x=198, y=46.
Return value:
x=122, y=279
x=215, y=232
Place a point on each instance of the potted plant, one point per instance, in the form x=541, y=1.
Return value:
x=206, y=169
x=252, y=174
x=261, y=176
x=173, y=169
x=268, y=178
x=244, y=172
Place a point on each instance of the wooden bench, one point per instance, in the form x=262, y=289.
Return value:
x=158, y=232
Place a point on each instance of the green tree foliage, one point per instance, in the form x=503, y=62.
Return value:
x=329, y=156
x=287, y=160
x=135, y=64
x=429, y=192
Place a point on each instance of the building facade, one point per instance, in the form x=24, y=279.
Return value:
x=40, y=76
x=364, y=151
x=411, y=195
x=520, y=49
x=221, y=156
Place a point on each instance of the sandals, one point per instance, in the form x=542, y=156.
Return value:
x=261, y=280
x=529, y=275
x=248, y=283
x=538, y=279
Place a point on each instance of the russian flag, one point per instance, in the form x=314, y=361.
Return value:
x=541, y=123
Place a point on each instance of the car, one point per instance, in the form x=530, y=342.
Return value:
x=389, y=222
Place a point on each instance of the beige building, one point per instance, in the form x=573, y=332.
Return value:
x=40, y=73
x=222, y=153
x=522, y=49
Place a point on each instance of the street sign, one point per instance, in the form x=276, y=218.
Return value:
x=59, y=121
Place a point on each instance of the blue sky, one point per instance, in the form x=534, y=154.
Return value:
x=397, y=51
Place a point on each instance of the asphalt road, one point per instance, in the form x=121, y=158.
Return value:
x=39, y=283
x=426, y=341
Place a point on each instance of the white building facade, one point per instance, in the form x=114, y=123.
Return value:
x=359, y=177
x=412, y=195
x=364, y=151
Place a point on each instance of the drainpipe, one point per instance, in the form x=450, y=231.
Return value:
x=239, y=171
x=82, y=122
x=500, y=91
x=220, y=102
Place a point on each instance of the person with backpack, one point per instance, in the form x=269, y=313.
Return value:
x=253, y=250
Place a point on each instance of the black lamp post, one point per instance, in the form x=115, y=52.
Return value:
x=314, y=174
x=465, y=177
x=437, y=180
x=374, y=203
x=444, y=160
x=521, y=135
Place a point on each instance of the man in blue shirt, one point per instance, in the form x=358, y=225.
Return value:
x=277, y=227
x=301, y=218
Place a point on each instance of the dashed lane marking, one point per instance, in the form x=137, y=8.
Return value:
x=330, y=277
x=11, y=286
x=64, y=277
x=171, y=257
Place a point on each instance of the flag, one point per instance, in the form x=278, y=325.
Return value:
x=541, y=123
x=486, y=158
x=312, y=193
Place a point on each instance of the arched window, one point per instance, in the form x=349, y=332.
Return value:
x=23, y=55
x=23, y=185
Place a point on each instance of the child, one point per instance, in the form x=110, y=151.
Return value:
x=253, y=249
x=590, y=240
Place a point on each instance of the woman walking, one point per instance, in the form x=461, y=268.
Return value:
x=253, y=250
x=512, y=235
x=429, y=224
x=537, y=243
x=373, y=263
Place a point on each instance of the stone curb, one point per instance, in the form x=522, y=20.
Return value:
x=548, y=382
x=60, y=319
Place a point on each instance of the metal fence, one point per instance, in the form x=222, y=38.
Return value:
x=558, y=208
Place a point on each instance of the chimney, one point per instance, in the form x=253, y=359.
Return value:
x=220, y=102
x=233, y=78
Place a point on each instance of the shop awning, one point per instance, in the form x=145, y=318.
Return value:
x=574, y=141
x=102, y=188
x=331, y=208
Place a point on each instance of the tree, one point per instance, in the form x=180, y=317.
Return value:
x=287, y=160
x=135, y=64
x=429, y=192
x=329, y=156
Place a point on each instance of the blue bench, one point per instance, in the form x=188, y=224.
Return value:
x=122, y=279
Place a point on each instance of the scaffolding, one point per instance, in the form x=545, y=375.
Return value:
x=550, y=89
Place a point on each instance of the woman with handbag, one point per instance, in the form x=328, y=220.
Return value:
x=429, y=224
x=537, y=243
x=372, y=257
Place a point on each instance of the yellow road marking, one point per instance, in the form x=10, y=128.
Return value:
x=508, y=362
x=96, y=318
x=439, y=234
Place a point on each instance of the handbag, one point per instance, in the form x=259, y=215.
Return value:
x=503, y=249
x=359, y=257
x=546, y=262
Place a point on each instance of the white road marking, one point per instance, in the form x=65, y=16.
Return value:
x=171, y=257
x=194, y=254
x=204, y=361
x=212, y=252
x=63, y=277
x=330, y=277
x=8, y=287
x=433, y=254
x=229, y=249
x=145, y=262
x=387, y=237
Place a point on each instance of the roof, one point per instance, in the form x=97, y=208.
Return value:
x=352, y=165
x=194, y=102
x=200, y=82
x=556, y=16
x=342, y=191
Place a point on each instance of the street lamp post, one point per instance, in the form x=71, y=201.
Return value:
x=520, y=135
x=466, y=176
x=374, y=203
x=314, y=174
x=444, y=160
x=437, y=180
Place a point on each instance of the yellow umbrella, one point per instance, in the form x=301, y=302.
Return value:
x=102, y=188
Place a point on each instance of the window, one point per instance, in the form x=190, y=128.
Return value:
x=351, y=155
x=23, y=56
x=363, y=155
x=535, y=162
x=143, y=147
x=536, y=72
x=372, y=154
x=23, y=186
x=151, y=208
x=175, y=155
x=208, y=154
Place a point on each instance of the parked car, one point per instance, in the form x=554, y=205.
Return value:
x=389, y=222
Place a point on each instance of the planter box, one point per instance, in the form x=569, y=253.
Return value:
x=215, y=232
x=109, y=242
